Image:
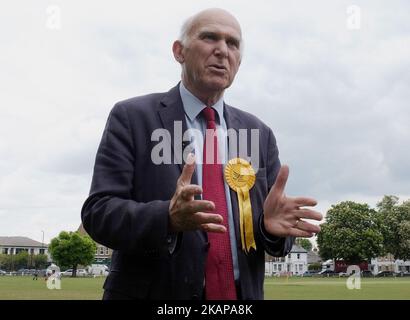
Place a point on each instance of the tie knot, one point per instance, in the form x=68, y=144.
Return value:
x=209, y=114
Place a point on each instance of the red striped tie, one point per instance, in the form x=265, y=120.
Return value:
x=219, y=276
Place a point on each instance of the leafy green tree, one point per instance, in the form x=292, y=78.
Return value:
x=394, y=222
x=304, y=243
x=315, y=266
x=350, y=233
x=387, y=203
x=20, y=260
x=4, y=263
x=40, y=261
x=70, y=249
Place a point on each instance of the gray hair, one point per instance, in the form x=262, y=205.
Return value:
x=186, y=29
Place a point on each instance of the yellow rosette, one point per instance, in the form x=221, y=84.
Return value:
x=241, y=177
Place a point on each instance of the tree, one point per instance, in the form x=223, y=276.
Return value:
x=70, y=249
x=387, y=203
x=40, y=261
x=304, y=243
x=394, y=222
x=4, y=261
x=350, y=233
x=11, y=262
x=20, y=260
x=315, y=266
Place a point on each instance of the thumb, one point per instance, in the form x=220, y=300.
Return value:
x=281, y=179
x=188, y=170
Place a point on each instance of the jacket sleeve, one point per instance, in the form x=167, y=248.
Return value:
x=275, y=246
x=110, y=215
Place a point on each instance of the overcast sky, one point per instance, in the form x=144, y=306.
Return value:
x=335, y=93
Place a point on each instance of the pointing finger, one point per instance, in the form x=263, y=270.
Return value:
x=188, y=170
x=281, y=179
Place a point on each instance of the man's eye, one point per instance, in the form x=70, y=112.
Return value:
x=209, y=37
x=233, y=44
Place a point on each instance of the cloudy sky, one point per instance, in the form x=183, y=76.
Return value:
x=335, y=91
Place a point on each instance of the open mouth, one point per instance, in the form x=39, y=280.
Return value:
x=218, y=67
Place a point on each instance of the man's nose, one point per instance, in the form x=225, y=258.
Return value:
x=221, y=49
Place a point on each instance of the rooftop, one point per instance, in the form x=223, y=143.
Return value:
x=20, y=242
x=297, y=249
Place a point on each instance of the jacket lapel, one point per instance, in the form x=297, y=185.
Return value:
x=171, y=112
x=173, y=120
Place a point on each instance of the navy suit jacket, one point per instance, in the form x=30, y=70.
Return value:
x=127, y=209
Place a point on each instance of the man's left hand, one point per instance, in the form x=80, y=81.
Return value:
x=282, y=215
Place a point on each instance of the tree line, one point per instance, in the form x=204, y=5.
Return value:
x=23, y=260
x=352, y=231
x=68, y=250
x=355, y=232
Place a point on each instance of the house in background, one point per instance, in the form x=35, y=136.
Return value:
x=313, y=257
x=14, y=245
x=295, y=263
x=388, y=263
x=376, y=265
x=102, y=253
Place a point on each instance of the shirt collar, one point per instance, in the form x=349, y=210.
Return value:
x=193, y=106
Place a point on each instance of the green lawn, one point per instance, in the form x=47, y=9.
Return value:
x=23, y=287
x=335, y=288
x=275, y=288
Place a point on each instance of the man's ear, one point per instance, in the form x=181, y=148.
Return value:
x=177, y=49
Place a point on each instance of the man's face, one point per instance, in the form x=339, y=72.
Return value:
x=212, y=54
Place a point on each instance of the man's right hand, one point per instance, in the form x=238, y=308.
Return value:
x=186, y=213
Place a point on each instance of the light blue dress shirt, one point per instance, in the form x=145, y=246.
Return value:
x=193, y=107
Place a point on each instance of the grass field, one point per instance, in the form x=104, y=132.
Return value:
x=23, y=287
x=335, y=289
x=275, y=289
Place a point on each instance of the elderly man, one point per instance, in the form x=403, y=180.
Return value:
x=197, y=229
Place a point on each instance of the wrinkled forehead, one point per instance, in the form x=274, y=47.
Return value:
x=226, y=25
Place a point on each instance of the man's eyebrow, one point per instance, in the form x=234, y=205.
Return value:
x=234, y=39
x=208, y=33
x=218, y=36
